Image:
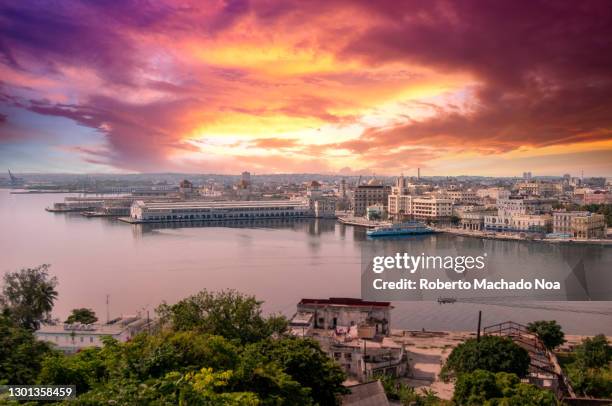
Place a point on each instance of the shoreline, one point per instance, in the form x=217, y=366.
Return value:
x=488, y=235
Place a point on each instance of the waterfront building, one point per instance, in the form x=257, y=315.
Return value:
x=471, y=217
x=213, y=211
x=579, y=224
x=426, y=207
x=431, y=208
x=472, y=220
x=536, y=223
x=321, y=206
x=366, y=195
x=71, y=338
x=399, y=205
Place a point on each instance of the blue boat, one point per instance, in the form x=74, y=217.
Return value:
x=406, y=228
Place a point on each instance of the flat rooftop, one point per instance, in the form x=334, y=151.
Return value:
x=345, y=301
x=224, y=204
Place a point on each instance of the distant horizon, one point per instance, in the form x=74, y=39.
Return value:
x=253, y=174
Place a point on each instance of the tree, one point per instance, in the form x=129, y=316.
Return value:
x=491, y=353
x=83, y=316
x=21, y=355
x=29, y=295
x=228, y=313
x=304, y=360
x=594, y=352
x=484, y=388
x=549, y=332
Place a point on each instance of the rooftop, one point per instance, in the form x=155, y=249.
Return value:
x=345, y=301
x=224, y=204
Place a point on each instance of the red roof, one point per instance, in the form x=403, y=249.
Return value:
x=345, y=301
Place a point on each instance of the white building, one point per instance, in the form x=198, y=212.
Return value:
x=430, y=207
x=462, y=196
x=215, y=211
x=71, y=338
x=425, y=207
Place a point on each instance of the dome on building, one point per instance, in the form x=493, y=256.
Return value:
x=315, y=184
x=374, y=182
x=185, y=184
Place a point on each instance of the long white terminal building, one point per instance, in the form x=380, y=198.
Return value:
x=237, y=210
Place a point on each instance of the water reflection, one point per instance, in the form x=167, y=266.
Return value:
x=280, y=261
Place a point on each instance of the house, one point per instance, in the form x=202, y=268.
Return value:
x=70, y=338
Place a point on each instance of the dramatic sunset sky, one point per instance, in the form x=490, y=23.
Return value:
x=271, y=86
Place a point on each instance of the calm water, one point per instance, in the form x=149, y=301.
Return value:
x=279, y=262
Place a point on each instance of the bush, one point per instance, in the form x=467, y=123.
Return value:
x=491, y=353
x=549, y=332
x=484, y=388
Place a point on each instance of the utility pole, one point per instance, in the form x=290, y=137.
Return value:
x=107, y=309
x=479, y=320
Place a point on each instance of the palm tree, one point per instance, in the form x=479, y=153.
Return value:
x=29, y=295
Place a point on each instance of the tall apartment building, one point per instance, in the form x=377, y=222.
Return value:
x=370, y=194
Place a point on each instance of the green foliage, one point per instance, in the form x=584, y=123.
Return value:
x=491, y=353
x=594, y=352
x=196, y=388
x=83, y=316
x=406, y=395
x=228, y=313
x=84, y=369
x=220, y=350
x=21, y=355
x=304, y=360
x=29, y=295
x=187, y=367
x=484, y=388
x=590, y=371
x=549, y=332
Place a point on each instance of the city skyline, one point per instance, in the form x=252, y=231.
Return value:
x=351, y=88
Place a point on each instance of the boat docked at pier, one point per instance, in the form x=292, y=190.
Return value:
x=400, y=229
